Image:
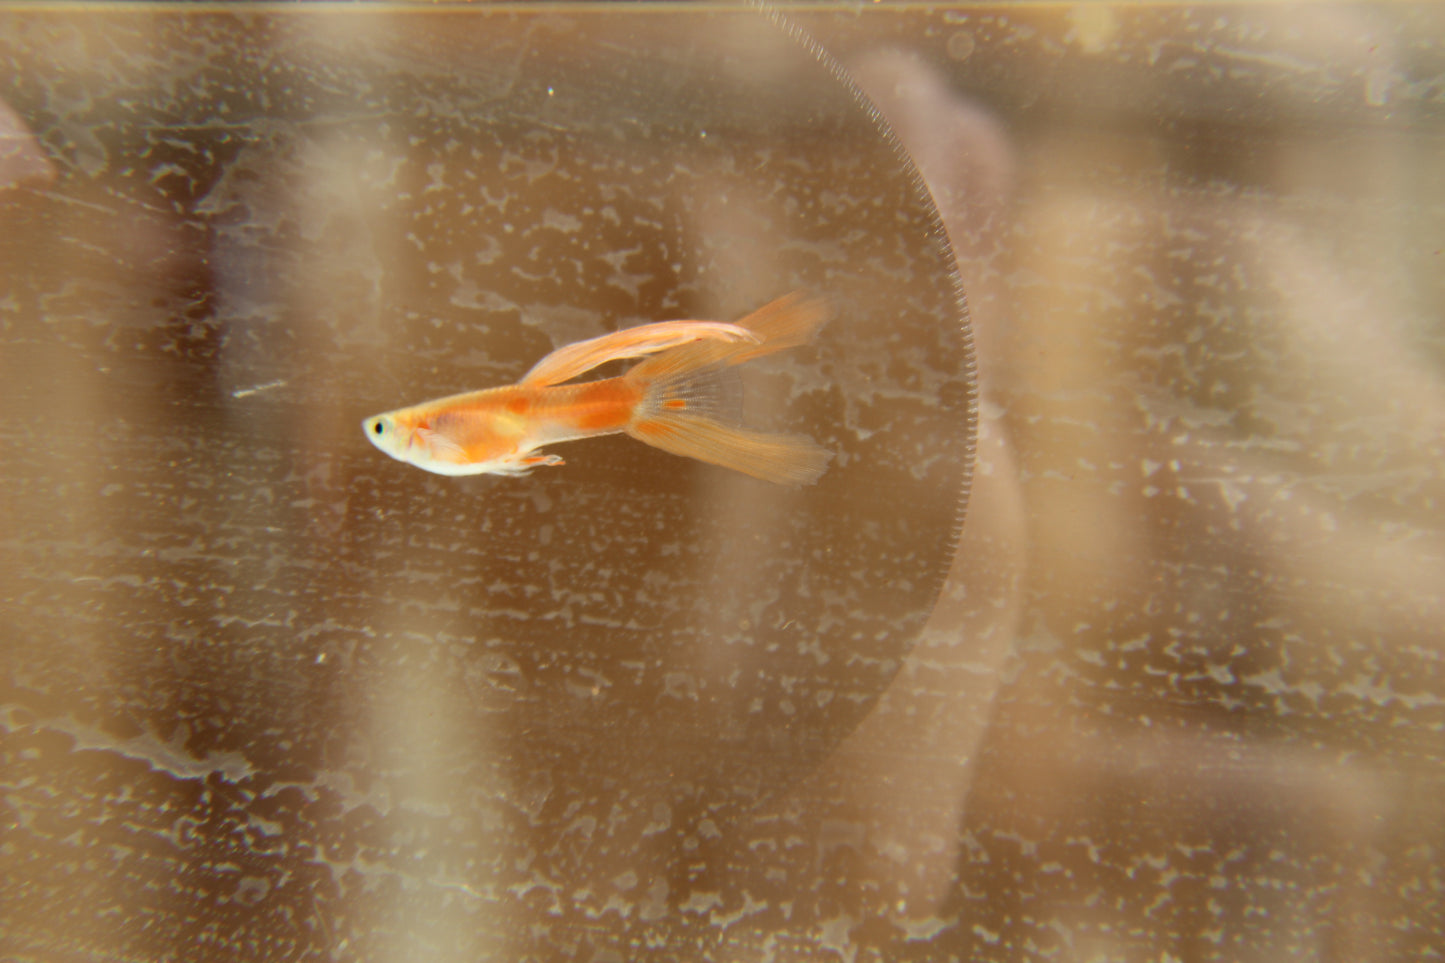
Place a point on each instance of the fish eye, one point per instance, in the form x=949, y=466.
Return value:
x=378, y=427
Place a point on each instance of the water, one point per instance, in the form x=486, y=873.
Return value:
x=1172, y=691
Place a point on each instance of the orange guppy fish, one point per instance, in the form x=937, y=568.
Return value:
x=673, y=400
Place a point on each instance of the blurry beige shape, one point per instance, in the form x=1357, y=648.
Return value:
x=425, y=719
x=1064, y=393
x=22, y=160
x=1093, y=26
x=1199, y=789
x=1339, y=384
x=735, y=214
x=1348, y=330
x=960, y=148
x=896, y=789
x=1326, y=439
x=1368, y=411
x=1345, y=41
x=338, y=192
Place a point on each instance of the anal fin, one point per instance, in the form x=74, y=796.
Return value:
x=782, y=459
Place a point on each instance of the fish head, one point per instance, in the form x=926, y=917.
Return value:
x=390, y=434
x=426, y=439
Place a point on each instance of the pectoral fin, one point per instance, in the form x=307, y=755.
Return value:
x=440, y=445
x=522, y=464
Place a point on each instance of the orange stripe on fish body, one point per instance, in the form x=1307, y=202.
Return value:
x=597, y=407
x=668, y=401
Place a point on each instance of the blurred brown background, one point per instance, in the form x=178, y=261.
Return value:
x=1180, y=697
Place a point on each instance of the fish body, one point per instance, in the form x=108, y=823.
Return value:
x=673, y=400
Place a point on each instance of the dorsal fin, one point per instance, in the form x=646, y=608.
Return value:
x=569, y=361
